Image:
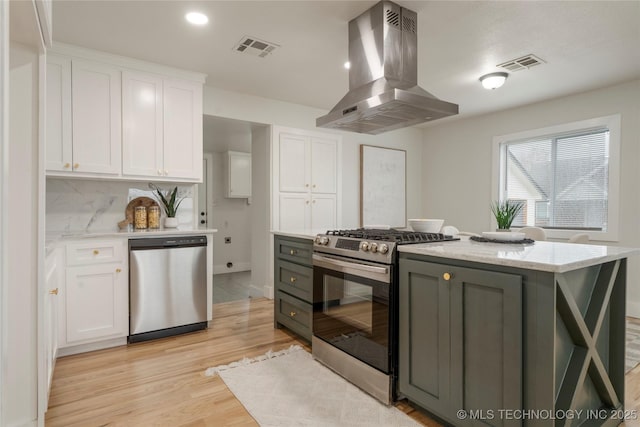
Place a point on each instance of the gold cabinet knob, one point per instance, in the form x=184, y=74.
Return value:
x=314, y=186
x=307, y=202
x=446, y=276
x=292, y=252
x=66, y=165
x=293, y=314
x=54, y=291
x=76, y=165
x=96, y=252
x=293, y=279
x=118, y=270
x=306, y=185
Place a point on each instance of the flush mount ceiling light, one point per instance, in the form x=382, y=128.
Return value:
x=493, y=80
x=196, y=18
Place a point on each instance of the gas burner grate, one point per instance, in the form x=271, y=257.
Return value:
x=391, y=235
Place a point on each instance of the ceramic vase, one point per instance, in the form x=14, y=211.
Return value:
x=170, y=222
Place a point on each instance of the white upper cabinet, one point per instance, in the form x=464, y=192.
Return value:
x=324, y=157
x=58, y=146
x=142, y=131
x=183, y=129
x=295, y=173
x=107, y=118
x=84, y=133
x=306, y=180
x=238, y=175
x=96, y=113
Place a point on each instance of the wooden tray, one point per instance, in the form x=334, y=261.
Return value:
x=128, y=212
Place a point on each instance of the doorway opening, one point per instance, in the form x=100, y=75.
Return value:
x=224, y=207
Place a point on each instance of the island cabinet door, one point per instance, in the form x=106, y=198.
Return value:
x=424, y=346
x=486, y=346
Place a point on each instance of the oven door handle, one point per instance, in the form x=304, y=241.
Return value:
x=352, y=265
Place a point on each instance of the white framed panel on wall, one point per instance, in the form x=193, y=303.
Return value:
x=383, y=186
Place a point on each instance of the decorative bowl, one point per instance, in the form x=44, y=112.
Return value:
x=426, y=225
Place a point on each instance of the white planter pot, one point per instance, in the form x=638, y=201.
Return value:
x=170, y=222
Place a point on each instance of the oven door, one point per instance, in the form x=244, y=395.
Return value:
x=351, y=307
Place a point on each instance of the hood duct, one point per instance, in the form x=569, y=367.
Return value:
x=383, y=79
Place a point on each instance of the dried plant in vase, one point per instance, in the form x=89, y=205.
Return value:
x=505, y=212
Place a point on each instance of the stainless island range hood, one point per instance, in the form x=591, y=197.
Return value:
x=383, y=79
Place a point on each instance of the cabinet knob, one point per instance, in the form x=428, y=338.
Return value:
x=76, y=165
x=96, y=252
x=54, y=291
x=306, y=185
x=118, y=270
x=292, y=252
x=202, y=221
x=293, y=279
x=293, y=314
x=159, y=172
x=66, y=165
x=307, y=202
x=314, y=201
x=447, y=276
x=314, y=186
x=166, y=172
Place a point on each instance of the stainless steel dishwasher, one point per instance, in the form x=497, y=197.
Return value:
x=167, y=286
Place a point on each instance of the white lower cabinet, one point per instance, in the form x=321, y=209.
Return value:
x=53, y=280
x=96, y=293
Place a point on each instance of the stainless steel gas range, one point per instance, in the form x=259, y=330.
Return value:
x=355, y=308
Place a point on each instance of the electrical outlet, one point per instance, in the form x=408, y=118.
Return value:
x=227, y=239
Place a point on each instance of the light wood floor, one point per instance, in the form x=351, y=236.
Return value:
x=162, y=383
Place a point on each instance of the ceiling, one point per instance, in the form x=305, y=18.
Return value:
x=585, y=45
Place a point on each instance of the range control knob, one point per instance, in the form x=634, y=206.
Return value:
x=317, y=240
x=364, y=246
x=373, y=247
x=324, y=240
x=383, y=248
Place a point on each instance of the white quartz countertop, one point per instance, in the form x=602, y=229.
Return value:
x=301, y=234
x=554, y=257
x=54, y=237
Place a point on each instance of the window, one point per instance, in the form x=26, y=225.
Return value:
x=566, y=176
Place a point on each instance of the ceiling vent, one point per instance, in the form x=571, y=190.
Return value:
x=256, y=47
x=523, y=63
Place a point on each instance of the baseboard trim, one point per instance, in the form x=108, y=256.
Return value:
x=83, y=348
x=240, y=266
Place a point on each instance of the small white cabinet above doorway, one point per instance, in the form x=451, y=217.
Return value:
x=237, y=175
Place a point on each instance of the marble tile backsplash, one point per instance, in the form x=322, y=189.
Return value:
x=74, y=205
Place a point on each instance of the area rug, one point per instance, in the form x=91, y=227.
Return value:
x=290, y=388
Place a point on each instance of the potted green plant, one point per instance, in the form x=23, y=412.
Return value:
x=170, y=203
x=505, y=212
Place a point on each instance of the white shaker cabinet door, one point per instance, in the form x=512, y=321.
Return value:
x=323, y=165
x=182, y=129
x=142, y=124
x=294, y=171
x=58, y=113
x=96, y=303
x=295, y=211
x=97, y=110
x=239, y=174
x=323, y=212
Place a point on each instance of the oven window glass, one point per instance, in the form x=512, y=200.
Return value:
x=353, y=315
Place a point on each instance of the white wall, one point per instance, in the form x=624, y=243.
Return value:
x=457, y=181
x=232, y=218
x=20, y=383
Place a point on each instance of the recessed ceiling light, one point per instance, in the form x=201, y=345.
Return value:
x=347, y=65
x=197, y=18
x=493, y=80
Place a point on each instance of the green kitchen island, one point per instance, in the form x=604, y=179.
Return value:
x=512, y=334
